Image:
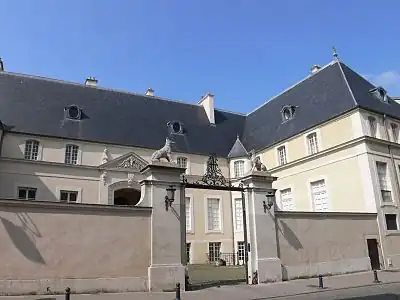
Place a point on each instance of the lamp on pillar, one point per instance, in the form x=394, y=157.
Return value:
x=170, y=197
x=270, y=201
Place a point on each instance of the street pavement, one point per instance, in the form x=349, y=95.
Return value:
x=351, y=286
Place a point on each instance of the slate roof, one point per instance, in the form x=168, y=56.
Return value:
x=35, y=105
x=238, y=150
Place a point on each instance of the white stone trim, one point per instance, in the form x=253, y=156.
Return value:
x=286, y=145
x=319, y=141
x=69, y=188
x=310, y=195
x=221, y=213
x=191, y=212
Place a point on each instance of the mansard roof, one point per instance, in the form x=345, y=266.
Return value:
x=41, y=106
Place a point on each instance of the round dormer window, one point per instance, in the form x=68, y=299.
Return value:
x=287, y=114
x=176, y=127
x=73, y=112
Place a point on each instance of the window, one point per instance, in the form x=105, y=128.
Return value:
x=26, y=193
x=31, y=150
x=238, y=167
x=182, y=162
x=188, y=207
x=312, y=142
x=240, y=252
x=287, y=199
x=188, y=246
x=319, y=195
x=288, y=112
x=71, y=154
x=238, y=214
x=384, y=182
x=391, y=222
x=214, y=215
x=68, y=196
x=380, y=94
x=73, y=112
x=214, y=251
x=395, y=132
x=282, y=157
x=372, y=126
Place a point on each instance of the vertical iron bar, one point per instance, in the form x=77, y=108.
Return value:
x=67, y=293
x=246, y=244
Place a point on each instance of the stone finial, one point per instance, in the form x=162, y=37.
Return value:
x=335, y=54
x=105, y=157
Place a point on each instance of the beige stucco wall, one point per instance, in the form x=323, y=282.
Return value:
x=43, y=243
x=313, y=243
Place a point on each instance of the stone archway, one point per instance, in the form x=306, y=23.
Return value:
x=126, y=196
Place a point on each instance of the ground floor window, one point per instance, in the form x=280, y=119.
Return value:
x=214, y=251
x=188, y=246
x=27, y=193
x=68, y=196
x=240, y=253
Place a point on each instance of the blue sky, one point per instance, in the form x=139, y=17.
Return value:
x=244, y=52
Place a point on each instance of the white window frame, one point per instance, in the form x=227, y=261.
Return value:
x=40, y=150
x=191, y=214
x=220, y=250
x=69, y=189
x=78, y=157
x=394, y=127
x=280, y=198
x=221, y=214
x=237, y=163
x=311, y=196
x=187, y=171
x=388, y=181
x=371, y=119
x=235, y=200
x=278, y=157
x=317, y=134
x=26, y=186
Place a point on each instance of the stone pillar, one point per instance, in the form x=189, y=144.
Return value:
x=166, y=268
x=263, y=255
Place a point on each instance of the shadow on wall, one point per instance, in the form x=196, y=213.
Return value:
x=289, y=235
x=23, y=237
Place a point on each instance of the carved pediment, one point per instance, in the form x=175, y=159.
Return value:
x=130, y=161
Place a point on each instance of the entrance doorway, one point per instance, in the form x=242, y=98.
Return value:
x=126, y=197
x=373, y=253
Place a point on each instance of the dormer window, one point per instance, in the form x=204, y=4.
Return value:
x=380, y=94
x=175, y=127
x=73, y=112
x=288, y=112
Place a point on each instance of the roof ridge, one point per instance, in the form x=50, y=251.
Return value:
x=291, y=87
x=82, y=85
x=346, y=81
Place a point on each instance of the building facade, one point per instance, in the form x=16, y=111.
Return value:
x=332, y=140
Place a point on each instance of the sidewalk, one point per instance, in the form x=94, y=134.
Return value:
x=242, y=292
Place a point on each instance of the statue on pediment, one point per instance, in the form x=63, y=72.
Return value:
x=164, y=152
x=256, y=164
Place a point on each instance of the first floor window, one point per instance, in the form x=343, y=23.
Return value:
x=214, y=251
x=71, y=154
x=240, y=253
x=214, y=214
x=312, y=143
x=238, y=214
x=384, y=182
x=27, y=193
x=182, y=162
x=238, y=167
x=319, y=195
x=287, y=199
x=31, y=150
x=282, y=156
x=188, y=246
x=372, y=126
x=68, y=196
x=188, y=207
x=391, y=222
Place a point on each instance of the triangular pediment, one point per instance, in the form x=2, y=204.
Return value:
x=129, y=161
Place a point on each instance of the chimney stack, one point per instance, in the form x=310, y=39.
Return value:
x=1, y=65
x=149, y=92
x=315, y=69
x=91, y=81
x=207, y=102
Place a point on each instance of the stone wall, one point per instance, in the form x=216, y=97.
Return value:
x=46, y=247
x=311, y=243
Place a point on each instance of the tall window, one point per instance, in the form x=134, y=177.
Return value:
x=391, y=222
x=240, y=252
x=182, y=162
x=319, y=195
x=71, y=154
x=238, y=167
x=312, y=142
x=188, y=207
x=238, y=214
x=384, y=182
x=27, y=193
x=372, y=126
x=395, y=132
x=287, y=199
x=214, y=214
x=31, y=150
x=68, y=196
x=188, y=246
x=282, y=157
x=214, y=251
